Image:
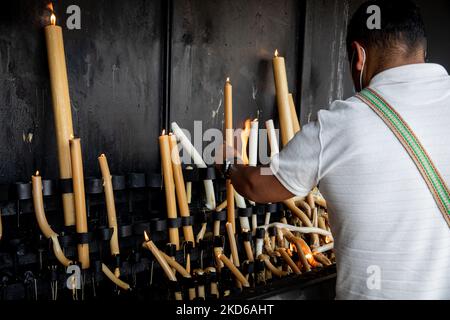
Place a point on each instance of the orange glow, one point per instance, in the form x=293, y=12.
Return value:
x=53, y=19
x=146, y=236
x=308, y=254
x=327, y=240
x=245, y=134
x=276, y=53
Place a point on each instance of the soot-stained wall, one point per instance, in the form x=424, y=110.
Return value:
x=133, y=67
x=114, y=76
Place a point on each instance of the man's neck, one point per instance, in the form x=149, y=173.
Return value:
x=398, y=61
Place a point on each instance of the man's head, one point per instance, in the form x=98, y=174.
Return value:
x=400, y=40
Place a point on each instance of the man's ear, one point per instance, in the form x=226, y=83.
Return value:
x=358, y=58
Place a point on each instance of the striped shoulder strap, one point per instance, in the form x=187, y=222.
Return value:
x=415, y=149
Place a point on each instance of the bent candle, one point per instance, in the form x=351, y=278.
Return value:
x=110, y=206
x=45, y=228
x=62, y=112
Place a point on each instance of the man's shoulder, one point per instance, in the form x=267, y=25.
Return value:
x=344, y=111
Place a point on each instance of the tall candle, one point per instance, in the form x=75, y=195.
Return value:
x=228, y=103
x=79, y=198
x=169, y=187
x=282, y=92
x=62, y=112
x=295, y=122
x=110, y=204
x=180, y=188
x=198, y=161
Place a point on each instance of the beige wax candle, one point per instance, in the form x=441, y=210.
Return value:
x=282, y=92
x=41, y=218
x=79, y=199
x=62, y=112
x=110, y=203
x=180, y=188
x=228, y=103
x=169, y=187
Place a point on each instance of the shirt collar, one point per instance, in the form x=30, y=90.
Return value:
x=409, y=73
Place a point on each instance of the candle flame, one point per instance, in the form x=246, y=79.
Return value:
x=163, y=132
x=146, y=236
x=37, y=173
x=228, y=79
x=276, y=52
x=53, y=19
x=245, y=134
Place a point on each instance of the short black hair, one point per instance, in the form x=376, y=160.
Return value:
x=401, y=24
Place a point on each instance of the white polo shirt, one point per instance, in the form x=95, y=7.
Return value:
x=385, y=222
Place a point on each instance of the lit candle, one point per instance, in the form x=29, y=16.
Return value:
x=41, y=218
x=62, y=112
x=110, y=207
x=228, y=103
x=198, y=161
x=282, y=92
x=162, y=262
x=180, y=188
x=79, y=199
x=169, y=187
x=235, y=271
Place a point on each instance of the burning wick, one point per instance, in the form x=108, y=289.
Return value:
x=147, y=239
x=163, y=132
x=276, y=53
x=53, y=19
x=228, y=79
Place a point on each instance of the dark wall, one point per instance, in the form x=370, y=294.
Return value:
x=216, y=39
x=114, y=78
x=326, y=75
x=117, y=74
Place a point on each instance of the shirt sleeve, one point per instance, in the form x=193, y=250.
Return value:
x=297, y=165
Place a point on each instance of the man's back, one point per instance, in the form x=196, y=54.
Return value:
x=386, y=224
x=385, y=221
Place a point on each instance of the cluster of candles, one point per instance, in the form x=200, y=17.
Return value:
x=295, y=244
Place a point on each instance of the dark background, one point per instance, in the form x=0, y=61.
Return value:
x=137, y=65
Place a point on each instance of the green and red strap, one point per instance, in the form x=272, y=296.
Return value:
x=415, y=149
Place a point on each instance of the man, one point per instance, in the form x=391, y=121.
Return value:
x=391, y=240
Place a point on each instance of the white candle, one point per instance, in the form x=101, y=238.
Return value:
x=273, y=141
x=198, y=161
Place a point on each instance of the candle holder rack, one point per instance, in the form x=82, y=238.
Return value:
x=29, y=269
